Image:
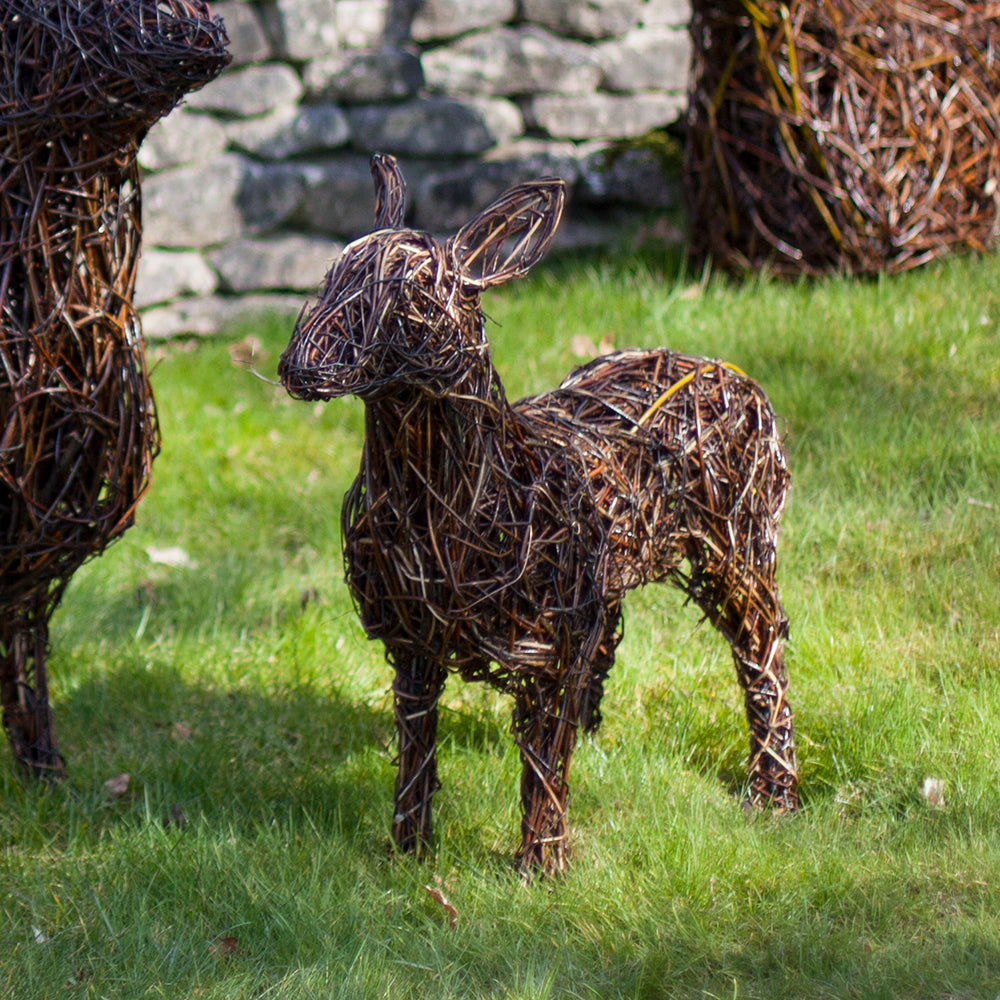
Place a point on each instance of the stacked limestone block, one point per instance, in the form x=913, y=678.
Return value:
x=471, y=96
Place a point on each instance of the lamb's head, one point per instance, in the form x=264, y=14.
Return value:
x=115, y=65
x=400, y=310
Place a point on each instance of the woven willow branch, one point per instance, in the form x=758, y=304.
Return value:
x=844, y=135
x=497, y=540
x=82, y=82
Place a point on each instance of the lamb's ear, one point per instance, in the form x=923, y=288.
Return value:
x=390, y=192
x=504, y=240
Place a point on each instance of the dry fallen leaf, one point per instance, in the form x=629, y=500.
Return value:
x=933, y=792
x=182, y=731
x=246, y=351
x=173, y=555
x=439, y=897
x=581, y=346
x=117, y=786
x=224, y=947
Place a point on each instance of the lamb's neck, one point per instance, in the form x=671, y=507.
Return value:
x=437, y=442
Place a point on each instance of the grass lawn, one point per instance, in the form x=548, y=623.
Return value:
x=214, y=656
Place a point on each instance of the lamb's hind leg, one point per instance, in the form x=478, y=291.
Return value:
x=24, y=691
x=757, y=651
x=743, y=604
x=416, y=689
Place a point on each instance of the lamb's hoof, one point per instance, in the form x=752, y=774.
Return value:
x=541, y=861
x=47, y=766
x=410, y=842
x=779, y=800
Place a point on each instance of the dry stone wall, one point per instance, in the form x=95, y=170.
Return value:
x=253, y=186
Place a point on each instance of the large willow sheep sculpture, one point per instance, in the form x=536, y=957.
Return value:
x=497, y=540
x=83, y=80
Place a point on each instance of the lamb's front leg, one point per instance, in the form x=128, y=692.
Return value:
x=545, y=727
x=416, y=688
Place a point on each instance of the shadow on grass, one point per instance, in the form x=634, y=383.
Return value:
x=231, y=758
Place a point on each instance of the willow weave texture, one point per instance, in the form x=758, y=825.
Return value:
x=843, y=135
x=497, y=540
x=82, y=82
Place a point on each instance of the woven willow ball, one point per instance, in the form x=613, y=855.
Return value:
x=844, y=135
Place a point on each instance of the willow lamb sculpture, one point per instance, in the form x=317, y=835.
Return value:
x=497, y=540
x=83, y=80
x=845, y=135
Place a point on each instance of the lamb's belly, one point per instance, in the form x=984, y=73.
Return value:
x=467, y=627
x=523, y=651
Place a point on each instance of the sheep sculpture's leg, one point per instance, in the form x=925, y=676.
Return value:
x=742, y=602
x=545, y=727
x=548, y=713
x=24, y=691
x=756, y=635
x=416, y=689
x=604, y=659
